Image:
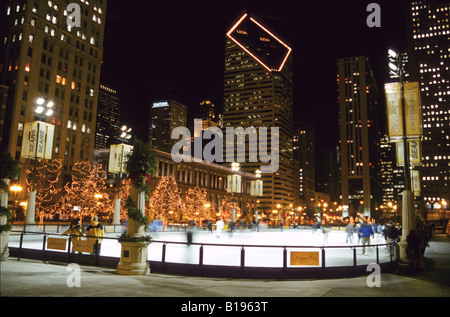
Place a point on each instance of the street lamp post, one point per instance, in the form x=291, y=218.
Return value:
x=234, y=167
x=125, y=135
x=41, y=111
x=408, y=216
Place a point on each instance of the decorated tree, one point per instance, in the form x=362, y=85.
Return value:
x=47, y=187
x=195, y=205
x=85, y=196
x=227, y=204
x=124, y=192
x=165, y=199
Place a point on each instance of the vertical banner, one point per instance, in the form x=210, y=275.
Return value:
x=394, y=109
x=37, y=143
x=41, y=140
x=413, y=109
x=49, y=141
x=256, y=188
x=415, y=182
x=117, y=157
x=26, y=142
x=414, y=152
x=234, y=183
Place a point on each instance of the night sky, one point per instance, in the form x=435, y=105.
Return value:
x=175, y=49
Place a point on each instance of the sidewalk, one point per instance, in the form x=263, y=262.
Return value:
x=23, y=278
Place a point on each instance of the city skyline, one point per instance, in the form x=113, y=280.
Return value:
x=183, y=56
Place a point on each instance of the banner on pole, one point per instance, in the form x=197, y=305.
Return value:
x=412, y=109
x=234, y=183
x=256, y=188
x=394, y=109
x=413, y=115
x=415, y=182
x=414, y=152
x=117, y=157
x=37, y=141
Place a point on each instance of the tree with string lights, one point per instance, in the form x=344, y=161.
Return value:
x=85, y=196
x=227, y=204
x=47, y=187
x=165, y=199
x=195, y=205
x=124, y=193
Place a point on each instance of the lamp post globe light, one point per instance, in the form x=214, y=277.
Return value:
x=235, y=167
x=396, y=67
x=125, y=135
x=42, y=110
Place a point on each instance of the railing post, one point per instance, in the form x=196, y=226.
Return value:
x=323, y=257
x=44, y=240
x=69, y=255
x=163, y=256
x=97, y=252
x=21, y=240
x=284, y=258
x=242, y=257
x=200, y=260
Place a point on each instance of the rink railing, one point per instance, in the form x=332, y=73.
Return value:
x=162, y=265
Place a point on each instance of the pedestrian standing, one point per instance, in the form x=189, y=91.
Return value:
x=315, y=228
x=365, y=231
x=95, y=232
x=219, y=227
x=350, y=230
x=210, y=226
x=357, y=227
x=74, y=230
x=412, y=249
x=391, y=234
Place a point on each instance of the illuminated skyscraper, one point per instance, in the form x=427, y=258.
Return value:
x=165, y=116
x=108, y=118
x=359, y=135
x=429, y=53
x=42, y=56
x=304, y=144
x=207, y=114
x=258, y=93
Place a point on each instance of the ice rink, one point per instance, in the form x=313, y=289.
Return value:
x=261, y=249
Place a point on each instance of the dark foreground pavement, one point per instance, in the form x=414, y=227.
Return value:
x=31, y=278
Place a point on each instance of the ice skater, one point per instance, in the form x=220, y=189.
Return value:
x=219, y=228
x=350, y=230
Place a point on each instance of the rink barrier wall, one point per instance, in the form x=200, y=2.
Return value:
x=217, y=271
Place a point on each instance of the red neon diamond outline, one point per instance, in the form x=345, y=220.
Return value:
x=250, y=53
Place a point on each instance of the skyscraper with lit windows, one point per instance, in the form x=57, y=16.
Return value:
x=108, y=117
x=359, y=116
x=429, y=53
x=165, y=115
x=43, y=56
x=258, y=93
